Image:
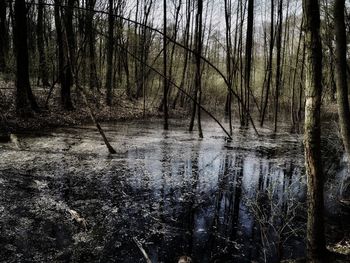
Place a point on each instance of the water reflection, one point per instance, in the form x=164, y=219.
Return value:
x=177, y=195
x=206, y=202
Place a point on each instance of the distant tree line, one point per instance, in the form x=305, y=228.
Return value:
x=256, y=53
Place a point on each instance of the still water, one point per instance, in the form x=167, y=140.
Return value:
x=63, y=198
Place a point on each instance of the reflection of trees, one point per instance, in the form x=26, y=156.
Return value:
x=176, y=226
x=231, y=224
x=225, y=222
x=275, y=208
x=163, y=210
x=258, y=221
x=190, y=220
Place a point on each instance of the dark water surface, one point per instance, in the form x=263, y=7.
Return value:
x=64, y=199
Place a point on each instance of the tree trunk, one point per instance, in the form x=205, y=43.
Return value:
x=25, y=100
x=229, y=60
x=186, y=53
x=341, y=75
x=198, y=80
x=43, y=72
x=269, y=77
x=93, y=78
x=3, y=36
x=292, y=110
x=279, y=60
x=166, y=83
x=65, y=75
x=172, y=53
x=110, y=46
x=312, y=132
x=248, y=58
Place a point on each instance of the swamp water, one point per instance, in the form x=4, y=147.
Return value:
x=63, y=198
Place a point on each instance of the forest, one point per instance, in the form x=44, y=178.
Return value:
x=174, y=131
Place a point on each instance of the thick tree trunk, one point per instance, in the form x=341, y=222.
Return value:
x=25, y=100
x=341, y=75
x=312, y=132
x=110, y=46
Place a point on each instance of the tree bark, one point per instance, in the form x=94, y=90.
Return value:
x=25, y=100
x=316, y=244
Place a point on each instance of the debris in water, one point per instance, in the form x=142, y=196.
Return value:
x=185, y=259
x=78, y=218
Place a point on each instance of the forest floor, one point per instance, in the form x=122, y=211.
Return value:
x=52, y=115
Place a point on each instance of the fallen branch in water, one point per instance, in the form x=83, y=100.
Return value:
x=139, y=245
x=91, y=112
x=98, y=126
